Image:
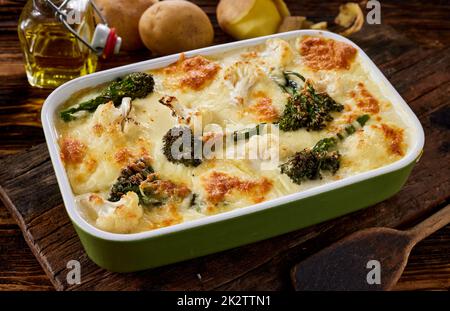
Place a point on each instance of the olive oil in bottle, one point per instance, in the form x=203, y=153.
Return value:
x=52, y=54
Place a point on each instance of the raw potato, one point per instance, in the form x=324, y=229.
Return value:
x=292, y=23
x=349, y=21
x=319, y=26
x=300, y=22
x=350, y=17
x=244, y=19
x=175, y=26
x=124, y=16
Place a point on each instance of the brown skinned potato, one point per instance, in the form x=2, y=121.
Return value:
x=175, y=26
x=124, y=16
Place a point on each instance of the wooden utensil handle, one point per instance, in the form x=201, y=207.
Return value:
x=430, y=225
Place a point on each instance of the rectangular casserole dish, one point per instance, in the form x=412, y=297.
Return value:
x=138, y=251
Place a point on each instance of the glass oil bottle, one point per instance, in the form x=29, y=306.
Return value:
x=52, y=54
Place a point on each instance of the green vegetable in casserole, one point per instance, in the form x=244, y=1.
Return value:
x=134, y=85
x=184, y=152
x=130, y=179
x=306, y=108
x=289, y=85
x=179, y=151
x=246, y=133
x=310, y=163
x=152, y=191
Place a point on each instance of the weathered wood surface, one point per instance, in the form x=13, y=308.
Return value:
x=412, y=49
x=342, y=265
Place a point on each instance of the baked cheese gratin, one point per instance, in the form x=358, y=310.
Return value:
x=209, y=134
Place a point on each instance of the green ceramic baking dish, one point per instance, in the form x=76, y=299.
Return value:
x=132, y=252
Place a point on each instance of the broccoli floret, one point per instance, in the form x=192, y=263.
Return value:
x=134, y=85
x=306, y=108
x=157, y=191
x=310, y=163
x=130, y=178
x=179, y=151
x=140, y=178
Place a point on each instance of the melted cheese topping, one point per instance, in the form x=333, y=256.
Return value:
x=235, y=89
x=320, y=53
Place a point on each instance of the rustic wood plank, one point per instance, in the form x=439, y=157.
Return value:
x=5, y=218
x=426, y=259
x=21, y=271
x=262, y=265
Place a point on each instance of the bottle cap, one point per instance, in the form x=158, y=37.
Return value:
x=106, y=40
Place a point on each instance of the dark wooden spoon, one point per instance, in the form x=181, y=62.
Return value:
x=349, y=263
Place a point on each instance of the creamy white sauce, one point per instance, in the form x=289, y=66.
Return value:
x=110, y=144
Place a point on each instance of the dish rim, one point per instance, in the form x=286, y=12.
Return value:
x=62, y=93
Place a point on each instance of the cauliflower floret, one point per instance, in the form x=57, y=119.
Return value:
x=241, y=77
x=278, y=52
x=196, y=119
x=108, y=116
x=276, y=57
x=118, y=217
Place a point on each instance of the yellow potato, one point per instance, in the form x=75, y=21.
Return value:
x=124, y=16
x=244, y=19
x=175, y=26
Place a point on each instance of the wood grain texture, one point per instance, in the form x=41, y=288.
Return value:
x=411, y=47
x=342, y=265
x=19, y=268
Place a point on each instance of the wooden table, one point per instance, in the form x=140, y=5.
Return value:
x=424, y=24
